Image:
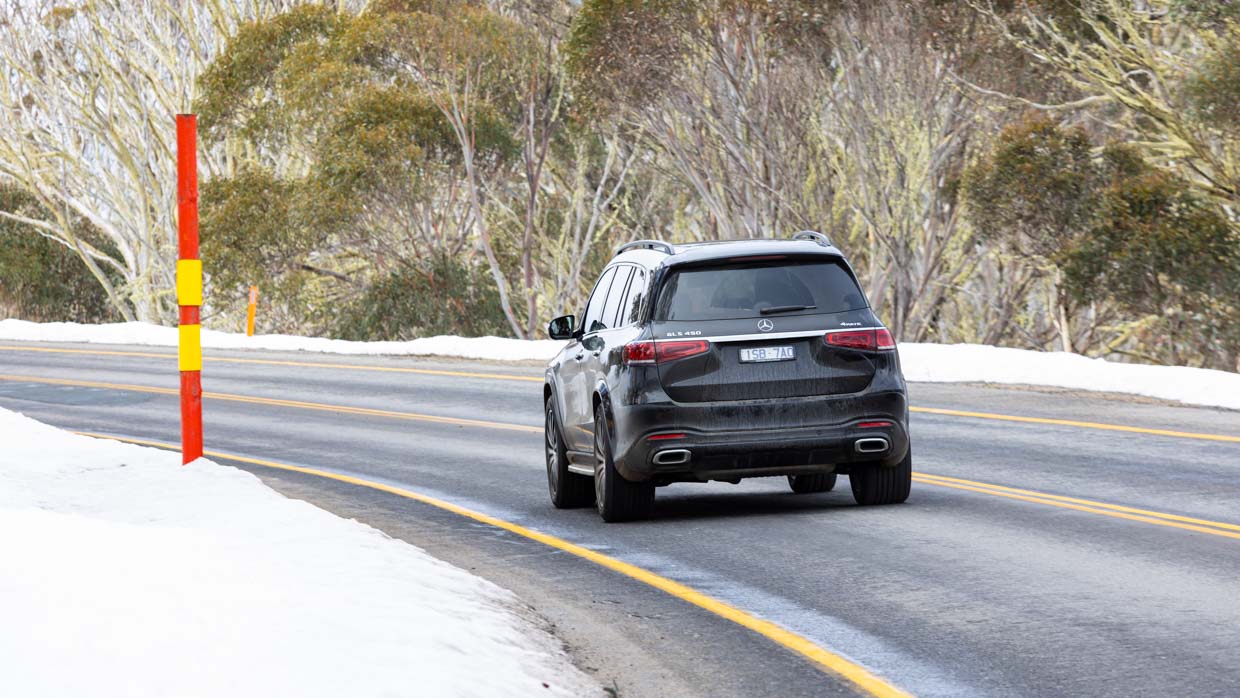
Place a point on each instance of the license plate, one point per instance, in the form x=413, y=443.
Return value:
x=767, y=354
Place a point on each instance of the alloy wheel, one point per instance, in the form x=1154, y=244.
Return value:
x=552, y=444
x=600, y=466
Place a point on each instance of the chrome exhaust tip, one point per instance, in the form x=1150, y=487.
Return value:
x=871, y=445
x=672, y=456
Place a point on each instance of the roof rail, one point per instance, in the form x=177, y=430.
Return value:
x=658, y=245
x=813, y=236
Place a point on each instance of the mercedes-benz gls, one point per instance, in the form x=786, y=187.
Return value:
x=724, y=361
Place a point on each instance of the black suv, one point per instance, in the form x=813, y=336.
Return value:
x=722, y=361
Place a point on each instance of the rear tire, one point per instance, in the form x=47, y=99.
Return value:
x=809, y=484
x=874, y=484
x=617, y=499
x=568, y=489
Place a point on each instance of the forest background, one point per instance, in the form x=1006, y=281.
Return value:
x=1045, y=174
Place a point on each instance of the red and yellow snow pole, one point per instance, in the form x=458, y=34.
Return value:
x=189, y=288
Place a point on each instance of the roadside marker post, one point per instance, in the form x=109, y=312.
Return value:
x=189, y=288
x=249, y=312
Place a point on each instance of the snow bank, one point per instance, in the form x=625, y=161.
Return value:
x=958, y=363
x=922, y=362
x=124, y=574
x=497, y=348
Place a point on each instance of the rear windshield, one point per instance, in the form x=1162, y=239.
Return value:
x=744, y=291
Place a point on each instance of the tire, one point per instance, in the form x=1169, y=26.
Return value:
x=808, y=484
x=874, y=484
x=617, y=499
x=568, y=490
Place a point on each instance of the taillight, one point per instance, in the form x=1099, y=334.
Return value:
x=670, y=351
x=657, y=352
x=639, y=353
x=865, y=340
x=883, y=339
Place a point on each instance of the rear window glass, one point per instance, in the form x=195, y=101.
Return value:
x=744, y=291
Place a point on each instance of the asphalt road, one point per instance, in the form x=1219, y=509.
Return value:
x=964, y=590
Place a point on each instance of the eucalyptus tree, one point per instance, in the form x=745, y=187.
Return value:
x=724, y=90
x=1165, y=70
x=88, y=91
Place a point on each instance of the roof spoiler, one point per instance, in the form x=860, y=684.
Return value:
x=657, y=245
x=813, y=236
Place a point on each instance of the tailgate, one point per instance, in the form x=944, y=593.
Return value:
x=721, y=374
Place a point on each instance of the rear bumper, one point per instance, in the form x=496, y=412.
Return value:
x=759, y=438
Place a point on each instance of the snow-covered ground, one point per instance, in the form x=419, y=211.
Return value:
x=498, y=348
x=123, y=573
x=963, y=363
x=921, y=362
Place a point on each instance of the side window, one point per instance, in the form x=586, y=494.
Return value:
x=632, y=308
x=618, y=288
x=594, y=309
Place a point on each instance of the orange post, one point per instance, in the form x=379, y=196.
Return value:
x=189, y=288
x=249, y=312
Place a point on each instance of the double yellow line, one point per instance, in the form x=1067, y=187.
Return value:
x=537, y=379
x=276, y=362
x=1074, y=423
x=1187, y=523
x=276, y=402
x=1032, y=496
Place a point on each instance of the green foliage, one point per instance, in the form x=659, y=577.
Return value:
x=234, y=86
x=467, y=48
x=1154, y=243
x=984, y=56
x=1033, y=191
x=444, y=296
x=385, y=137
x=1159, y=250
x=625, y=51
x=1213, y=90
x=351, y=116
x=258, y=229
x=380, y=140
x=1118, y=229
x=41, y=279
x=1206, y=12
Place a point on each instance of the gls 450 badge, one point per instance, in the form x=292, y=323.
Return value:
x=685, y=333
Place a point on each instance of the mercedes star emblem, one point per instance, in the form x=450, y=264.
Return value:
x=766, y=325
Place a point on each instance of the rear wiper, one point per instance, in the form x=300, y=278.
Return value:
x=786, y=309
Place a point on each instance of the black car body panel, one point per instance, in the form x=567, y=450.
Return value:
x=819, y=408
x=719, y=375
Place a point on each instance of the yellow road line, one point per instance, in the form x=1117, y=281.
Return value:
x=1077, y=507
x=299, y=404
x=942, y=479
x=538, y=379
x=302, y=364
x=1117, y=511
x=93, y=352
x=1073, y=423
x=834, y=663
x=1112, y=510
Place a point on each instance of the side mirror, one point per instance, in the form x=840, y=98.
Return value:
x=562, y=327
